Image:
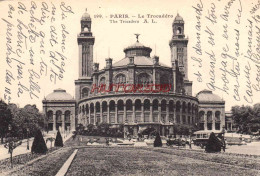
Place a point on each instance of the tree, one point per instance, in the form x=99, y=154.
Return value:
x=214, y=144
x=247, y=118
x=39, y=145
x=25, y=118
x=5, y=119
x=157, y=141
x=58, y=140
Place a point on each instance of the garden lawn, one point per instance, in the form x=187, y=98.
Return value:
x=47, y=166
x=20, y=160
x=139, y=161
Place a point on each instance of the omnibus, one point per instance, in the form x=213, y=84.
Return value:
x=202, y=137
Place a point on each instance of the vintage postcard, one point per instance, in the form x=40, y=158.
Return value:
x=114, y=87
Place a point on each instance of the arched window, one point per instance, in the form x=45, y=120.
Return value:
x=120, y=79
x=217, y=116
x=155, y=105
x=112, y=106
x=104, y=106
x=163, y=105
x=67, y=116
x=87, y=109
x=179, y=30
x=147, y=105
x=144, y=79
x=171, y=106
x=120, y=105
x=91, y=108
x=183, y=107
x=84, y=92
x=189, y=108
x=102, y=81
x=97, y=107
x=129, y=105
x=83, y=109
x=138, y=105
x=201, y=116
x=58, y=116
x=178, y=106
x=50, y=116
x=209, y=116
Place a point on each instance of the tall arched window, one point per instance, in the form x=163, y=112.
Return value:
x=50, y=116
x=120, y=79
x=144, y=79
x=58, y=116
x=120, y=105
x=129, y=105
x=155, y=105
x=138, y=105
x=102, y=81
x=147, y=105
x=84, y=92
x=112, y=106
x=67, y=116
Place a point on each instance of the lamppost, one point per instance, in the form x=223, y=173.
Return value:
x=223, y=136
x=190, y=132
x=27, y=130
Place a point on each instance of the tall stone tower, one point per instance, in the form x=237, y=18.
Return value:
x=85, y=43
x=178, y=45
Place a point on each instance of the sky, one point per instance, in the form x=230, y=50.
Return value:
x=112, y=38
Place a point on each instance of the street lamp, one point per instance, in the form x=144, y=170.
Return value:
x=28, y=148
x=190, y=131
x=223, y=135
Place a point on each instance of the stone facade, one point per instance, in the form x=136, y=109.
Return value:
x=59, y=109
x=211, y=111
x=137, y=110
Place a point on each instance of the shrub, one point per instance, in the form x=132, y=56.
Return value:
x=157, y=141
x=214, y=144
x=39, y=145
x=58, y=140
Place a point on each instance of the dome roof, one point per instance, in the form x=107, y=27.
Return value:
x=86, y=16
x=208, y=96
x=178, y=18
x=59, y=95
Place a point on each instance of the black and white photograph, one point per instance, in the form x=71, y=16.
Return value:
x=140, y=88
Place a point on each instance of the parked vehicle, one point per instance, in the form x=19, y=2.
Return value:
x=202, y=137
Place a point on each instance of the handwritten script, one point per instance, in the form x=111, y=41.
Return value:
x=227, y=46
x=36, y=46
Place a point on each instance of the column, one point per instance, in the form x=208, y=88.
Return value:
x=205, y=121
x=213, y=120
x=89, y=115
x=124, y=118
x=167, y=113
x=101, y=113
x=133, y=112
x=174, y=115
x=108, y=113
x=116, y=114
x=54, y=122
x=160, y=112
x=151, y=113
x=63, y=122
x=95, y=113
x=181, y=120
x=142, y=115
